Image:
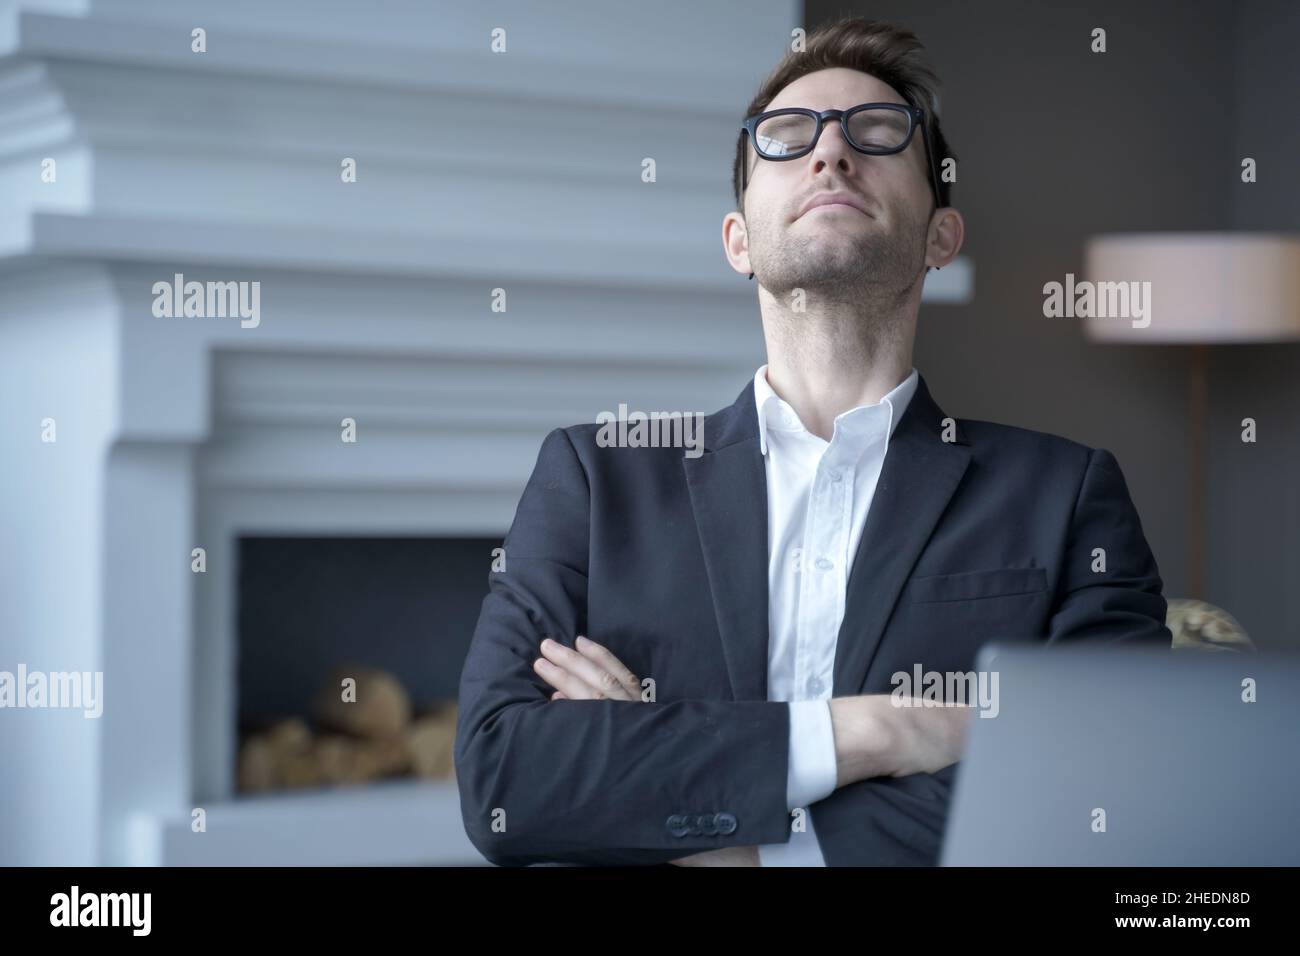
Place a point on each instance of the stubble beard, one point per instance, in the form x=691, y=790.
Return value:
x=871, y=268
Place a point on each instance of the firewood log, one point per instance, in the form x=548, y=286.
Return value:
x=336, y=758
x=288, y=736
x=381, y=708
x=301, y=770
x=430, y=740
x=258, y=767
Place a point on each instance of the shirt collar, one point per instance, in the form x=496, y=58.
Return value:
x=783, y=417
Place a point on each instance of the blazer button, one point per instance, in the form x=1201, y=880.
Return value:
x=726, y=823
x=708, y=824
x=677, y=825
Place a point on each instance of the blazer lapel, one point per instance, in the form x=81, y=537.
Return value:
x=920, y=474
x=728, y=488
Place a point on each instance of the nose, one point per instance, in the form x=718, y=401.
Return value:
x=833, y=150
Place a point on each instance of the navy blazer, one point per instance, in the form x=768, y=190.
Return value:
x=663, y=559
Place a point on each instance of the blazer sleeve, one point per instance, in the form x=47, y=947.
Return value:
x=1122, y=602
x=886, y=821
x=901, y=820
x=602, y=782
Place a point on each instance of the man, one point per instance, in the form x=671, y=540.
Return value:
x=690, y=659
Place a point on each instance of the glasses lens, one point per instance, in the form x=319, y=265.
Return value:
x=785, y=134
x=879, y=128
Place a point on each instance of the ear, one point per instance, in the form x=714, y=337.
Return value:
x=735, y=242
x=944, y=240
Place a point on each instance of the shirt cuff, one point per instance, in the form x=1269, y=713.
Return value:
x=812, y=768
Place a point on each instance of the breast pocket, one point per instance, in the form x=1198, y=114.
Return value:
x=976, y=585
x=944, y=619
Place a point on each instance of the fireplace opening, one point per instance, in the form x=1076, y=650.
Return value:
x=349, y=655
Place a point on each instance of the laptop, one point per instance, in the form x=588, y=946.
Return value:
x=1130, y=757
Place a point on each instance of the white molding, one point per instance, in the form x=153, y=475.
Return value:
x=389, y=823
x=468, y=68
x=492, y=258
x=408, y=131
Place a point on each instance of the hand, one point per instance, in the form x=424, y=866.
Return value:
x=930, y=738
x=726, y=856
x=876, y=738
x=591, y=672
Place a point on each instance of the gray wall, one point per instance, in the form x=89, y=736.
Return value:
x=1056, y=143
x=1254, y=521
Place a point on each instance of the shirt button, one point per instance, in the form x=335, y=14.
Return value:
x=796, y=560
x=825, y=564
x=835, y=476
x=814, y=686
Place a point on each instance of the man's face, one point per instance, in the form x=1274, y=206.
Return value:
x=877, y=237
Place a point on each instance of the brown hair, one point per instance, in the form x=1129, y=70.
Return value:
x=890, y=53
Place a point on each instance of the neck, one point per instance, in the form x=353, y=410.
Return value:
x=836, y=356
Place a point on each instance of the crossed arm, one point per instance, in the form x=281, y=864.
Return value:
x=873, y=738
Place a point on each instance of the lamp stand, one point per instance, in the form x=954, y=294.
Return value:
x=1198, y=391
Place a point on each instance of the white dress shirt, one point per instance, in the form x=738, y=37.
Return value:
x=818, y=495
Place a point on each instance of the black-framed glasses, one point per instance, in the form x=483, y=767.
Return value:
x=877, y=129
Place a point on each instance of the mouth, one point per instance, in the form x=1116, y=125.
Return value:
x=833, y=202
x=842, y=207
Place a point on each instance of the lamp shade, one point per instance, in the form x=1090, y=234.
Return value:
x=1191, y=287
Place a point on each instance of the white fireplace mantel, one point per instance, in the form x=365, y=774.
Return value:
x=476, y=171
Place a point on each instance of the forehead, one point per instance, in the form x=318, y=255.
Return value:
x=835, y=89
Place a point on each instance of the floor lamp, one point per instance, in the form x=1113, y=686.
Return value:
x=1206, y=288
